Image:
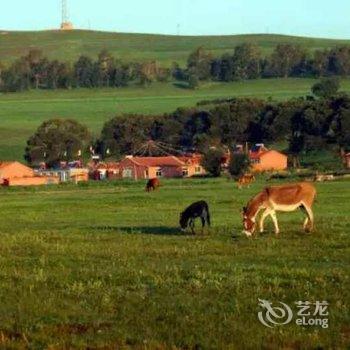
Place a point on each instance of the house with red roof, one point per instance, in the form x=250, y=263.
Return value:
x=18, y=174
x=263, y=159
x=104, y=170
x=166, y=166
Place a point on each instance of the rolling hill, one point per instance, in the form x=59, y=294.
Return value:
x=164, y=48
x=22, y=113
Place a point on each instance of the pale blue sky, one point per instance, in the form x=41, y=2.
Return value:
x=319, y=18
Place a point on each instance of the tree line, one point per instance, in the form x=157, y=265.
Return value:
x=286, y=60
x=34, y=70
x=305, y=124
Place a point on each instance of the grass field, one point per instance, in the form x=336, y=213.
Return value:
x=139, y=47
x=105, y=266
x=22, y=113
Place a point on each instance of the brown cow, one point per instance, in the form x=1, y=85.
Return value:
x=152, y=184
x=285, y=198
x=245, y=180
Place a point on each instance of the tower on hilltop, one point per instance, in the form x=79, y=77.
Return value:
x=65, y=24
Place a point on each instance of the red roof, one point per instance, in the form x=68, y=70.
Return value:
x=108, y=165
x=258, y=155
x=5, y=164
x=103, y=165
x=194, y=159
x=157, y=161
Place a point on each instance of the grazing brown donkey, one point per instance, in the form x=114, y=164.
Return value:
x=286, y=198
x=245, y=180
x=152, y=184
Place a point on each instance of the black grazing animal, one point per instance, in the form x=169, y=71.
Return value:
x=195, y=210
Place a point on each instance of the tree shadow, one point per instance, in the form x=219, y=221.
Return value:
x=181, y=85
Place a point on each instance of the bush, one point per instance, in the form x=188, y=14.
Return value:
x=326, y=87
x=212, y=160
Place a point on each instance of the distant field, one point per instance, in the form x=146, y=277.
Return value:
x=22, y=113
x=106, y=266
x=139, y=47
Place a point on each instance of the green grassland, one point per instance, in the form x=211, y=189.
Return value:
x=22, y=113
x=105, y=266
x=140, y=47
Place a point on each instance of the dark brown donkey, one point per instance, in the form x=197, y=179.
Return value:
x=195, y=210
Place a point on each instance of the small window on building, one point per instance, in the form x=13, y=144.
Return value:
x=184, y=172
x=255, y=161
x=146, y=173
x=127, y=172
x=159, y=173
x=198, y=169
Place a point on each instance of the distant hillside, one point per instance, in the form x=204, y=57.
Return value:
x=165, y=48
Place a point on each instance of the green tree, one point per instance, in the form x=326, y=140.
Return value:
x=193, y=81
x=246, y=61
x=59, y=75
x=84, y=72
x=307, y=125
x=105, y=67
x=56, y=140
x=339, y=123
x=231, y=121
x=53, y=74
x=212, y=160
x=196, y=125
x=339, y=61
x=17, y=77
x=326, y=88
x=226, y=68
x=284, y=60
x=199, y=63
x=148, y=72
x=124, y=135
x=121, y=74
x=320, y=63
x=296, y=147
x=38, y=67
x=239, y=164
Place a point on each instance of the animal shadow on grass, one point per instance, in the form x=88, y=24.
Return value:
x=148, y=230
